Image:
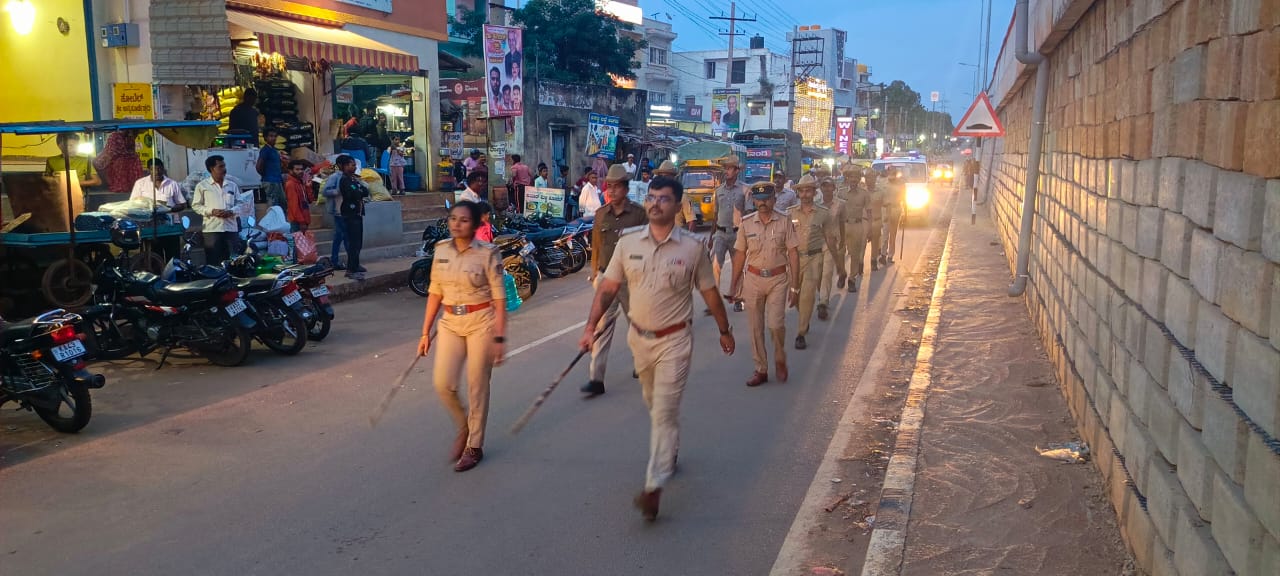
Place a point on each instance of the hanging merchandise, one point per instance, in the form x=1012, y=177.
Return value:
x=278, y=103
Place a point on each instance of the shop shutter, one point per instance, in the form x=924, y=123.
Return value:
x=190, y=44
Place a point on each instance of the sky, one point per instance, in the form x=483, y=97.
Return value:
x=921, y=42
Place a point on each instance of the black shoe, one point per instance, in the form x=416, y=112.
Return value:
x=339, y=266
x=800, y=343
x=361, y=269
x=593, y=388
x=635, y=374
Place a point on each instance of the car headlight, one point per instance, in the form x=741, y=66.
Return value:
x=937, y=173
x=917, y=196
x=950, y=174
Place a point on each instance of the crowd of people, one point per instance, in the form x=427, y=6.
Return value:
x=646, y=267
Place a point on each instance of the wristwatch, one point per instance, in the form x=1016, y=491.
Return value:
x=795, y=290
x=499, y=340
x=727, y=331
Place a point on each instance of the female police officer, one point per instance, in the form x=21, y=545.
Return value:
x=466, y=282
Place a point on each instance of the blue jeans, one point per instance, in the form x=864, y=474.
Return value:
x=339, y=236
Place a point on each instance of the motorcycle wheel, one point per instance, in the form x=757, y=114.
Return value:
x=578, y=256
x=233, y=350
x=146, y=261
x=109, y=341
x=318, y=329
x=67, y=283
x=286, y=331
x=420, y=277
x=73, y=411
x=526, y=281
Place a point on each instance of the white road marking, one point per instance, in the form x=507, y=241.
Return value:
x=545, y=339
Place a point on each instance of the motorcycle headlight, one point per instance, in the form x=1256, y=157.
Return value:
x=917, y=196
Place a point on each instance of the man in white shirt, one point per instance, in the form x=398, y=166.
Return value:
x=631, y=167
x=160, y=188
x=215, y=199
x=589, y=199
x=476, y=181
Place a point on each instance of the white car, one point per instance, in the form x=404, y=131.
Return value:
x=915, y=171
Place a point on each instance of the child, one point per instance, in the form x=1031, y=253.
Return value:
x=396, y=165
x=485, y=231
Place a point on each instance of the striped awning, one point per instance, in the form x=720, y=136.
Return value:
x=315, y=43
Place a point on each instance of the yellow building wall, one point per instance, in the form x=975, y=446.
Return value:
x=44, y=74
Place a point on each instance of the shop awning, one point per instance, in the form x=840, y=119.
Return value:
x=334, y=45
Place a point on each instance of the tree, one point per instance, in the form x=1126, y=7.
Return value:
x=905, y=114
x=571, y=41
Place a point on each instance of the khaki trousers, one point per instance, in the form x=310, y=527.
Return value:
x=811, y=268
x=465, y=340
x=600, y=350
x=828, y=271
x=663, y=365
x=892, y=219
x=766, y=302
x=855, y=238
x=876, y=235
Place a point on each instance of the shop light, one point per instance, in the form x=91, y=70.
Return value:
x=22, y=15
x=85, y=149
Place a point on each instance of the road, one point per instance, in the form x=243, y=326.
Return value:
x=273, y=468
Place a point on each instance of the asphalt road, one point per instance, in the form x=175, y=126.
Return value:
x=273, y=468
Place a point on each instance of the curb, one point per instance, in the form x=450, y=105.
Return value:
x=889, y=537
x=352, y=290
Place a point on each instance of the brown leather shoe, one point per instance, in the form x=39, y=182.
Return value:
x=823, y=313
x=757, y=379
x=647, y=502
x=470, y=458
x=781, y=371
x=459, y=443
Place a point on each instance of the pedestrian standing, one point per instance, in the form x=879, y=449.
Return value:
x=731, y=205
x=589, y=199
x=466, y=282
x=895, y=198
x=787, y=197
x=521, y=178
x=353, y=193
x=875, y=216
x=395, y=163
x=477, y=181
x=631, y=166
x=541, y=180
x=297, y=193
x=857, y=221
x=660, y=265
x=270, y=162
x=817, y=233
x=611, y=220
x=768, y=249
x=333, y=199
x=216, y=200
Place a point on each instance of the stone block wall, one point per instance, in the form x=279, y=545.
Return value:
x=1155, y=264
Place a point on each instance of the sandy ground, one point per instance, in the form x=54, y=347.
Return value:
x=985, y=501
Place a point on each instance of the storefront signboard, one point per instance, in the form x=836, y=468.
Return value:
x=539, y=201
x=469, y=96
x=844, y=135
x=379, y=5
x=504, y=70
x=133, y=101
x=602, y=136
x=345, y=94
x=726, y=110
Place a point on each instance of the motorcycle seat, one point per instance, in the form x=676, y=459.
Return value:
x=14, y=331
x=257, y=283
x=185, y=292
x=543, y=236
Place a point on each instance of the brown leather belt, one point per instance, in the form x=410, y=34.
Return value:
x=767, y=273
x=669, y=330
x=464, y=309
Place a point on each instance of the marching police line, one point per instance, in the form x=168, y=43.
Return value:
x=648, y=267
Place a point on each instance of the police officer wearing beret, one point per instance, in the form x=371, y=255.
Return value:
x=767, y=249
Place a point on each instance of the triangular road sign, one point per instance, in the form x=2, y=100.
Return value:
x=980, y=120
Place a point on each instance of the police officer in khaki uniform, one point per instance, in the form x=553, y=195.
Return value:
x=684, y=218
x=817, y=233
x=832, y=260
x=768, y=250
x=875, y=216
x=895, y=199
x=731, y=205
x=466, y=282
x=611, y=219
x=660, y=265
x=856, y=224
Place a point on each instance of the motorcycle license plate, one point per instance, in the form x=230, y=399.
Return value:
x=236, y=308
x=319, y=291
x=291, y=298
x=69, y=351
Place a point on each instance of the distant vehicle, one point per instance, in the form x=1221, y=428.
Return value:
x=943, y=172
x=700, y=173
x=771, y=151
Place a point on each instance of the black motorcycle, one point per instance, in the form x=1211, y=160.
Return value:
x=138, y=312
x=42, y=369
x=420, y=271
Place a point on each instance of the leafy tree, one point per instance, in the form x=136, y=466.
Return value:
x=564, y=40
x=904, y=113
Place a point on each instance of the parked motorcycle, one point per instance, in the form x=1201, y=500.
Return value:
x=518, y=261
x=420, y=271
x=138, y=312
x=42, y=369
x=317, y=310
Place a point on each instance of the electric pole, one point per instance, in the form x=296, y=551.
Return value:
x=733, y=31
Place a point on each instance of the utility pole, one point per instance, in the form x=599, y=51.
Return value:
x=733, y=31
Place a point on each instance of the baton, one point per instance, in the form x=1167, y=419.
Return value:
x=537, y=403
x=386, y=402
x=903, y=237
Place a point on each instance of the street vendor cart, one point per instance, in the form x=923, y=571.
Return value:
x=42, y=254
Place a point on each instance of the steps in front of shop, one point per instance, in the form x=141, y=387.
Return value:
x=410, y=242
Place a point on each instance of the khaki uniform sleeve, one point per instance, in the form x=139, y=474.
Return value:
x=741, y=242
x=437, y=283
x=614, y=269
x=703, y=276
x=497, y=285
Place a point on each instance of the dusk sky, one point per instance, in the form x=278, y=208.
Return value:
x=920, y=42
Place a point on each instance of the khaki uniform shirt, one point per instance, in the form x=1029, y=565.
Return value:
x=855, y=209
x=472, y=276
x=766, y=245
x=731, y=204
x=661, y=276
x=609, y=226
x=813, y=227
x=876, y=204
x=895, y=197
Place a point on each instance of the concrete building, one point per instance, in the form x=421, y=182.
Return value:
x=656, y=75
x=820, y=53
x=761, y=76
x=1152, y=263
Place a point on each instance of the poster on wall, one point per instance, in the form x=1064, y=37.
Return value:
x=504, y=70
x=455, y=144
x=726, y=113
x=540, y=201
x=602, y=136
x=468, y=96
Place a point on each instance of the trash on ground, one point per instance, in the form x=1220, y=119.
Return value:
x=841, y=500
x=825, y=571
x=1026, y=502
x=871, y=520
x=836, y=480
x=1071, y=452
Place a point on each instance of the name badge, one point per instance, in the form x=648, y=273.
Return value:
x=636, y=257
x=443, y=260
